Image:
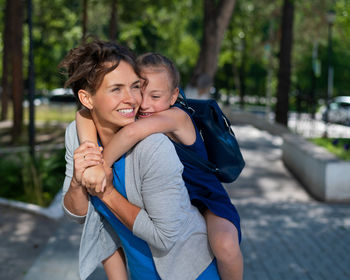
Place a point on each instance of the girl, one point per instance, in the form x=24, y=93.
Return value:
x=158, y=114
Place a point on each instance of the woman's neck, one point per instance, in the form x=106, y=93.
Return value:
x=105, y=132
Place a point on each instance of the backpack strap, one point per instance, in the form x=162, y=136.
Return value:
x=190, y=156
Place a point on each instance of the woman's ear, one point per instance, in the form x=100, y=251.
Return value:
x=85, y=99
x=174, y=96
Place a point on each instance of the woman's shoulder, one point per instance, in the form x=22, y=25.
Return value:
x=71, y=136
x=71, y=128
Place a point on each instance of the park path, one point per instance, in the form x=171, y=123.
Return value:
x=286, y=234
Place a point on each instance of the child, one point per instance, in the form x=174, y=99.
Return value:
x=158, y=115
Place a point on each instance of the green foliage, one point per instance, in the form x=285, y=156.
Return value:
x=340, y=146
x=245, y=45
x=311, y=27
x=32, y=180
x=174, y=28
x=56, y=29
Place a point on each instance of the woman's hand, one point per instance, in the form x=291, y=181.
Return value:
x=86, y=155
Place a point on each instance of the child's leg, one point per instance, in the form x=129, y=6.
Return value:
x=223, y=239
x=115, y=266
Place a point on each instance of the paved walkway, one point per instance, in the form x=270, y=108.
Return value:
x=286, y=234
x=23, y=235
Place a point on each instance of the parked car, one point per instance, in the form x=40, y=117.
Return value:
x=61, y=95
x=339, y=110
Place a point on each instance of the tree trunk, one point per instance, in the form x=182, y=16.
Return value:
x=242, y=72
x=284, y=71
x=216, y=20
x=85, y=16
x=237, y=80
x=113, y=27
x=6, y=88
x=17, y=71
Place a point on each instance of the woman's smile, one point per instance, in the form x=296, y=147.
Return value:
x=128, y=113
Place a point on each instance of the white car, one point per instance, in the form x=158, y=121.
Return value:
x=61, y=95
x=339, y=110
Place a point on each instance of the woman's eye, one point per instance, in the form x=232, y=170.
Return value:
x=155, y=96
x=116, y=89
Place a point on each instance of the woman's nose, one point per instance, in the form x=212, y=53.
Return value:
x=129, y=97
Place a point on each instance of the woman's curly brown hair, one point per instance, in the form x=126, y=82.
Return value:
x=87, y=64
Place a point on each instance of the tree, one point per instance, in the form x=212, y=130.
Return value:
x=216, y=20
x=113, y=27
x=6, y=60
x=16, y=15
x=284, y=71
x=12, y=79
x=85, y=19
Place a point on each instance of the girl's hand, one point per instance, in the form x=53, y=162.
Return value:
x=86, y=155
x=109, y=188
x=94, y=179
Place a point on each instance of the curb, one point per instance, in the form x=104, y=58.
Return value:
x=54, y=211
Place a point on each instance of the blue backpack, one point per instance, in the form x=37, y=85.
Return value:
x=224, y=156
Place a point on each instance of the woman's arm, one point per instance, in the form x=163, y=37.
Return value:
x=125, y=211
x=75, y=200
x=85, y=126
x=168, y=121
x=93, y=177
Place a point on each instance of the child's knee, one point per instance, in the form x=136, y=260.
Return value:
x=226, y=246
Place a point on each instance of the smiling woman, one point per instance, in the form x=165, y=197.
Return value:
x=146, y=210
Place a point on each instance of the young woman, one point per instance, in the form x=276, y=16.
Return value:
x=145, y=207
x=157, y=114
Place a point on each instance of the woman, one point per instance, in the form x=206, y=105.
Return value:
x=148, y=198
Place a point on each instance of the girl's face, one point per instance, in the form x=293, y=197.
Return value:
x=117, y=100
x=157, y=96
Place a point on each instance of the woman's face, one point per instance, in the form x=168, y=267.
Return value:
x=117, y=100
x=157, y=96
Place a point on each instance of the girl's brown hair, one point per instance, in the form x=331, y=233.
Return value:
x=87, y=64
x=158, y=62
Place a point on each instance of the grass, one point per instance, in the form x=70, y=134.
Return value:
x=49, y=113
x=50, y=123
x=338, y=146
x=53, y=113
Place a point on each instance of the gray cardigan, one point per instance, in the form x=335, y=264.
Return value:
x=174, y=230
